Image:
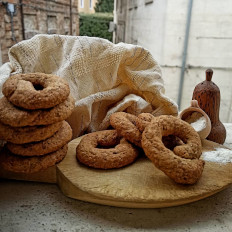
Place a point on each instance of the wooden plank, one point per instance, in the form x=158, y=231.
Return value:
x=139, y=185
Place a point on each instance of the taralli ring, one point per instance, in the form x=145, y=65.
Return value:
x=105, y=150
x=143, y=120
x=16, y=117
x=51, y=144
x=170, y=141
x=21, y=164
x=182, y=164
x=125, y=125
x=35, y=90
x=27, y=134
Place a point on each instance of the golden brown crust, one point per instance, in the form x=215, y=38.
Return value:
x=120, y=153
x=170, y=141
x=125, y=124
x=17, y=117
x=27, y=134
x=35, y=90
x=143, y=120
x=182, y=165
x=54, y=143
x=20, y=164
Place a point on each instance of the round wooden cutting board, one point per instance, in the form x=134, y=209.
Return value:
x=140, y=185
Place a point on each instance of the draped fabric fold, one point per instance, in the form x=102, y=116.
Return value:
x=103, y=77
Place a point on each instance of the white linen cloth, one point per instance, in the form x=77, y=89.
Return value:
x=103, y=77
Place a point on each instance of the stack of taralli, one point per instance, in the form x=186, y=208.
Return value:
x=32, y=121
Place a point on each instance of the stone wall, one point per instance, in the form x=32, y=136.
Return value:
x=35, y=17
x=6, y=36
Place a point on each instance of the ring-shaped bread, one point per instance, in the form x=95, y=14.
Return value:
x=143, y=120
x=17, y=117
x=28, y=134
x=51, y=144
x=35, y=90
x=182, y=170
x=105, y=150
x=170, y=141
x=21, y=164
x=125, y=124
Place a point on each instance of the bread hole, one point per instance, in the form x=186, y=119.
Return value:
x=171, y=141
x=99, y=146
x=38, y=87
